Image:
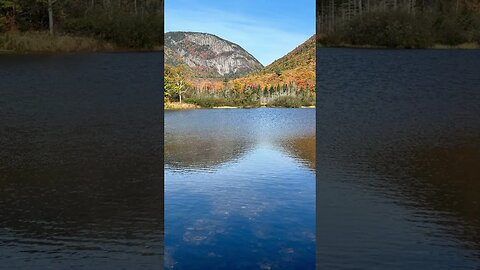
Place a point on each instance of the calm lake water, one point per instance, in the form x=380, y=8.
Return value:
x=398, y=159
x=240, y=189
x=81, y=183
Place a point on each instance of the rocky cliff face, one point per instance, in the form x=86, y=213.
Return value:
x=208, y=55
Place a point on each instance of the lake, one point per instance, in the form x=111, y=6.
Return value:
x=240, y=189
x=398, y=139
x=81, y=184
x=398, y=135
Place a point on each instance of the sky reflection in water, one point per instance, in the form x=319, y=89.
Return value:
x=248, y=201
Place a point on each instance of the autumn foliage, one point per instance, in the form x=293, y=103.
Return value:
x=290, y=76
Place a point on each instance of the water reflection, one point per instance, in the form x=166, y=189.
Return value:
x=303, y=148
x=248, y=202
x=80, y=169
x=446, y=183
x=193, y=141
x=193, y=152
x=398, y=143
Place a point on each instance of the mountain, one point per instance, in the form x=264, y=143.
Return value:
x=303, y=55
x=297, y=67
x=208, y=55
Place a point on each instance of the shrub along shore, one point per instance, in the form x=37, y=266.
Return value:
x=220, y=103
x=248, y=98
x=80, y=27
x=402, y=29
x=43, y=42
x=462, y=46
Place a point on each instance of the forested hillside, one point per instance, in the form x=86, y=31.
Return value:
x=399, y=23
x=297, y=68
x=125, y=23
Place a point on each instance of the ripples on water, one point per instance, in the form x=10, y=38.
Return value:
x=80, y=169
x=398, y=154
x=240, y=189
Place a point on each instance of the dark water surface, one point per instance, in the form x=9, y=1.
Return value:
x=398, y=159
x=80, y=161
x=240, y=189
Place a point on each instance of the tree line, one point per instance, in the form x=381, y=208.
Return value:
x=129, y=23
x=180, y=87
x=398, y=23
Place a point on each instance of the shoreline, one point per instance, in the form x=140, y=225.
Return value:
x=463, y=46
x=41, y=42
x=175, y=106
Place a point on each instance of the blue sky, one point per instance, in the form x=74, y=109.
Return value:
x=265, y=28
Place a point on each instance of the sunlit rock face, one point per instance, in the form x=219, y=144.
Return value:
x=208, y=53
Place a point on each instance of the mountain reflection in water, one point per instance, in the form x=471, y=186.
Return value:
x=240, y=189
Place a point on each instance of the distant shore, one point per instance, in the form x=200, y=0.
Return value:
x=466, y=46
x=188, y=106
x=42, y=42
x=180, y=106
